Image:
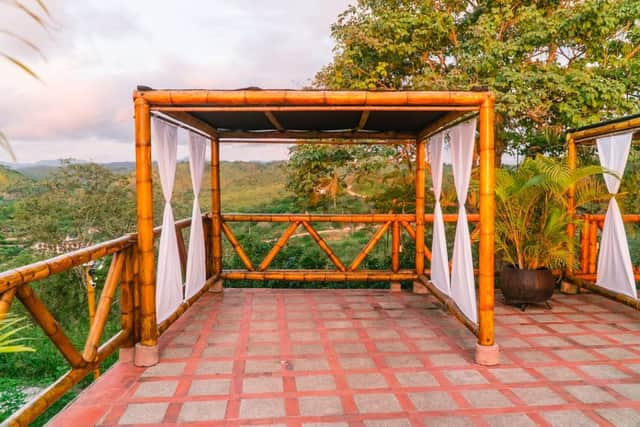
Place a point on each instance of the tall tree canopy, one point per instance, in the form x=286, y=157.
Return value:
x=552, y=64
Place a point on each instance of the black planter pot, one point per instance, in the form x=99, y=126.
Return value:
x=523, y=287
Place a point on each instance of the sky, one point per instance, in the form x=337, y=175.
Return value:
x=96, y=53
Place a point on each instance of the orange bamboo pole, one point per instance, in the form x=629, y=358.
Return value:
x=206, y=226
x=127, y=307
x=49, y=325
x=395, y=246
x=104, y=306
x=584, y=245
x=412, y=233
x=369, y=247
x=216, y=219
x=144, y=191
x=91, y=304
x=320, y=275
x=47, y=397
x=236, y=246
x=233, y=98
x=592, y=133
x=572, y=158
x=136, y=295
x=276, y=108
x=349, y=218
x=323, y=245
x=487, y=214
x=278, y=246
x=5, y=302
x=43, y=269
x=593, y=246
x=627, y=300
x=420, y=182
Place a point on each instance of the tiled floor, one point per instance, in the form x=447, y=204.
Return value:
x=370, y=358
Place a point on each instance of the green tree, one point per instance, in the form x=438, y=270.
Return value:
x=552, y=64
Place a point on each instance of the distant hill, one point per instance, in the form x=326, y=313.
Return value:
x=11, y=180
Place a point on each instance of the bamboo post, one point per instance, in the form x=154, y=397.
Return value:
x=146, y=352
x=571, y=204
x=420, y=179
x=584, y=245
x=216, y=218
x=206, y=226
x=91, y=303
x=593, y=246
x=127, y=310
x=395, y=254
x=487, y=352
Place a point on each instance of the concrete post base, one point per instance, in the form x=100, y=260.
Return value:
x=218, y=286
x=395, y=287
x=419, y=288
x=568, y=288
x=146, y=355
x=126, y=355
x=487, y=355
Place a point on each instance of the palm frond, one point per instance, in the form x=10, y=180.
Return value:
x=4, y=143
x=21, y=65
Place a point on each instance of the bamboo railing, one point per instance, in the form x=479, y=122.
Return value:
x=123, y=275
x=386, y=223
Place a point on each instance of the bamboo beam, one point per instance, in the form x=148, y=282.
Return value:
x=320, y=275
x=47, y=397
x=299, y=108
x=363, y=120
x=323, y=245
x=309, y=97
x=449, y=304
x=446, y=121
x=144, y=192
x=236, y=246
x=369, y=247
x=486, y=274
x=395, y=246
x=571, y=203
x=587, y=134
x=104, y=306
x=216, y=220
x=193, y=122
x=49, y=325
x=278, y=246
x=350, y=218
x=348, y=135
x=274, y=121
x=624, y=299
x=43, y=269
x=182, y=308
x=412, y=233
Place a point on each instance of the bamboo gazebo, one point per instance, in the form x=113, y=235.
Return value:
x=152, y=294
x=319, y=117
x=604, y=265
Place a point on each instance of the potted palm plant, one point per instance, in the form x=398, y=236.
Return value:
x=531, y=224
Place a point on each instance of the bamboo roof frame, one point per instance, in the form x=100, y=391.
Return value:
x=330, y=117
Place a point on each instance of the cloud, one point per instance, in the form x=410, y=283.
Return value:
x=98, y=52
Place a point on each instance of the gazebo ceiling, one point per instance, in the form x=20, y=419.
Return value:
x=313, y=114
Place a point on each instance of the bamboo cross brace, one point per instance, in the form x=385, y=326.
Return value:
x=104, y=306
x=5, y=302
x=412, y=233
x=236, y=246
x=49, y=325
x=279, y=245
x=323, y=245
x=369, y=247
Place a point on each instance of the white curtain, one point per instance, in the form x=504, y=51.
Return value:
x=169, y=274
x=615, y=270
x=439, y=256
x=196, y=270
x=463, y=289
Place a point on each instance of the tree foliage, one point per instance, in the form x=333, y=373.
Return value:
x=552, y=64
